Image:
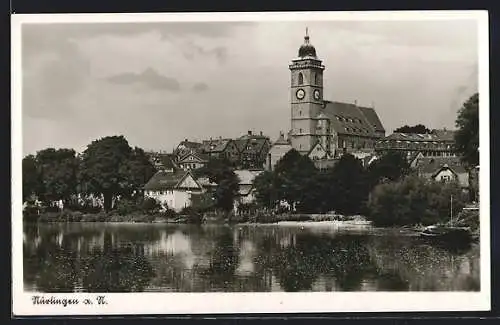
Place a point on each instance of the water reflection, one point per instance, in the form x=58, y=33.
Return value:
x=164, y=258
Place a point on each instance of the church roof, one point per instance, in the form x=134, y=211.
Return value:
x=350, y=119
x=373, y=118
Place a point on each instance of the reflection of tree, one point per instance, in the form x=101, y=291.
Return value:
x=419, y=266
x=224, y=261
x=55, y=266
x=116, y=269
x=343, y=257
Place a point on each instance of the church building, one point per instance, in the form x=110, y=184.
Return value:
x=325, y=129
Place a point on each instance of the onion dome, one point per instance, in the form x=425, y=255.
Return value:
x=307, y=49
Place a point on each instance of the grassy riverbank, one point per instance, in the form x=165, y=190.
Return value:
x=172, y=217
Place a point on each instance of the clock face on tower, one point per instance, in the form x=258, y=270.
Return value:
x=316, y=94
x=300, y=93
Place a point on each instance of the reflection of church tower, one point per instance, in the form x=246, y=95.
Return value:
x=306, y=97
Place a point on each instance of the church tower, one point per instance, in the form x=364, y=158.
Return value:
x=306, y=97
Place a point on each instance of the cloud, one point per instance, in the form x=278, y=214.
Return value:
x=192, y=51
x=96, y=79
x=149, y=77
x=200, y=87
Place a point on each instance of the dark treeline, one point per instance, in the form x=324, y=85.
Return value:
x=109, y=168
x=387, y=191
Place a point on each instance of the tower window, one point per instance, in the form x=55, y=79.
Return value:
x=316, y=79
x=300, y=130
x=300, y=113
x=301, y=78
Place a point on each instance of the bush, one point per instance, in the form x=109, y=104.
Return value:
x=150, y=206
x=413, y=201
x=31, y=213
x=468, y=218
x=126, y=206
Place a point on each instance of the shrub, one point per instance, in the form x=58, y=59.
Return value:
x=150, y=206
x=31, y=213
x=126, y=206
x=413, y=201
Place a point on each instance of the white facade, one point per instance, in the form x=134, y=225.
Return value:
x=175, y=199
x=446, y=175
x=172, y=191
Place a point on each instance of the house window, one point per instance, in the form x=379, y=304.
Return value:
x=445, y=178
x=301, y=78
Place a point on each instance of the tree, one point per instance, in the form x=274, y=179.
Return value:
x=213, y=169
x=220, y=172
x=467, y=135
x=348, y=185
x=111, y=168
x=419, y=129
x=392, y=166
x=58, y=170
x=293, y=171
x=265, y=189
x=32, y=182
x=226, y=190
x=139, y=170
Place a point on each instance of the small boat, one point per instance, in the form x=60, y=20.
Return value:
x=448, y=232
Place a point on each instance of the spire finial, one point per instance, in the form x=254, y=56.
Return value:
x=306, y=38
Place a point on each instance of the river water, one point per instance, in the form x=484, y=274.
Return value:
x=100, y=257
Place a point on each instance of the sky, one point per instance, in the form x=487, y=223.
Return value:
x=160, y=83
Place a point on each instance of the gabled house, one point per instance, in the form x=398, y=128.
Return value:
x=220, y=149
x=443, y=169
x=253, y=150
x=414, y=159
x=163, y=161
x=279, y=148
x=318, y=152
x=246, y=191
x=192, y=160
x=173, y=189
x=186, y=147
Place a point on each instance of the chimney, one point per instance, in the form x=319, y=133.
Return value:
x=220, y=137
x=249, y=132
x=186, y=140
x=260, y=132
x=355, y=102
